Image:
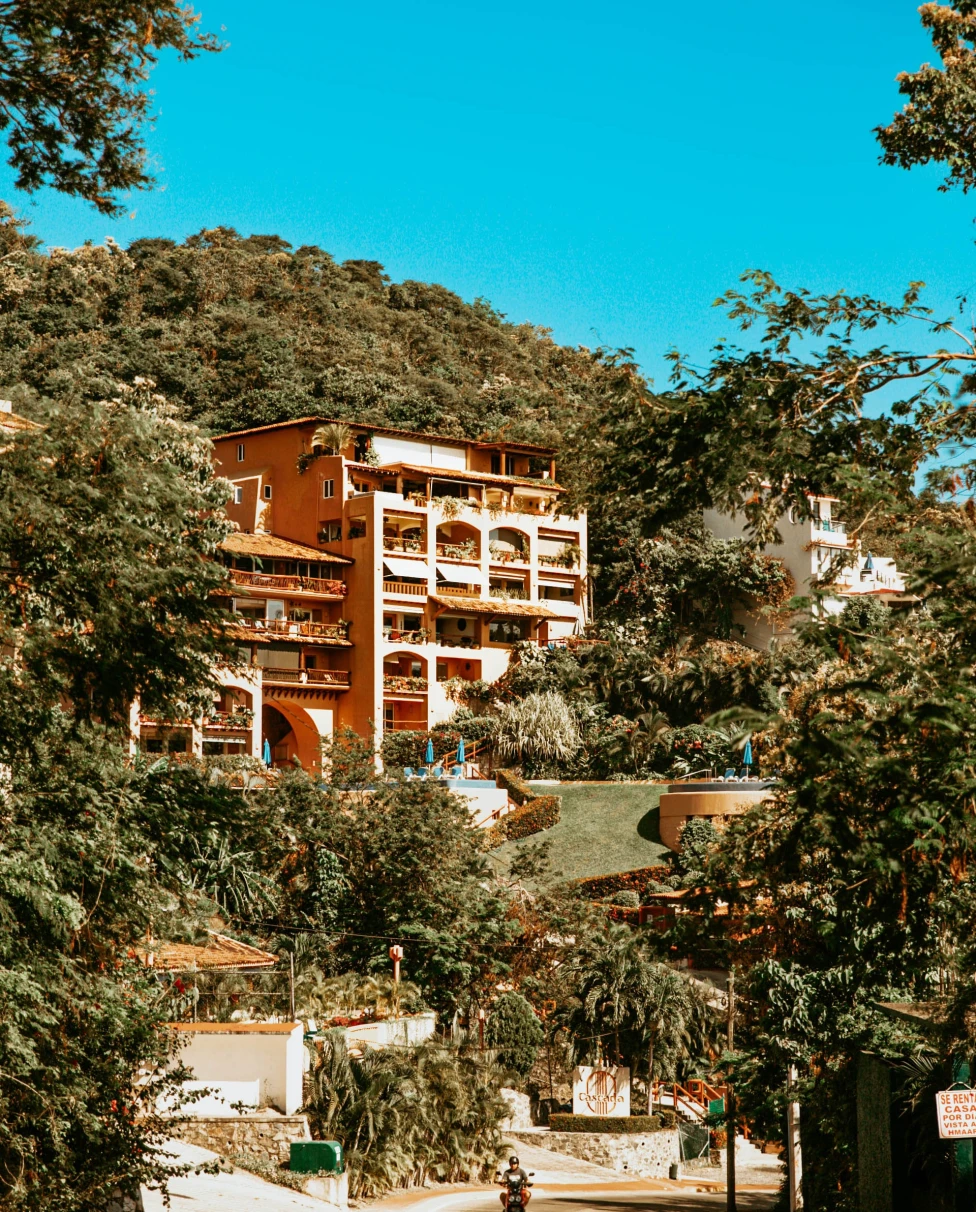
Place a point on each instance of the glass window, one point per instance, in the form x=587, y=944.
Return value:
x=238, y=495
x=240, y=452
x=328, y=489
x=508, y=631
x=267, y=492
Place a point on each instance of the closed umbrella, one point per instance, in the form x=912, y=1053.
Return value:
x=460, y=752
x=267, y=753
x=869, y=563
x=747, y=754
x=429, y=754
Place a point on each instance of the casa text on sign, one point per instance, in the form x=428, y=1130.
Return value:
x=956, y=1110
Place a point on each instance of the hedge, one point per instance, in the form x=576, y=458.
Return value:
x=516, y=786
x=539, y=813
x=598, y=887
x=621, y=1124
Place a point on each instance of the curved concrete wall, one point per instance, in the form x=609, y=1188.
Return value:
x=678, y=806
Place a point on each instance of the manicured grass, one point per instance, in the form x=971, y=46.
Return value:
x=603, y=827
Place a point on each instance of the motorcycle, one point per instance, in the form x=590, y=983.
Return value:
x=516, y=1195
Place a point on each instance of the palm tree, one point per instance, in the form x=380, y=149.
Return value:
x=609, y=989
x=675, y=1019
x=333, y=437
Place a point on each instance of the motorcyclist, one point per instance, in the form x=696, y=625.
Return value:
x=515, y=1168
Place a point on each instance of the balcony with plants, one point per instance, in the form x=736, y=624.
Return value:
x=292, y=628
x=508, y=546
x=569, y=556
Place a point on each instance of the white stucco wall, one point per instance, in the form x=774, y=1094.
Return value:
x=270, y=1053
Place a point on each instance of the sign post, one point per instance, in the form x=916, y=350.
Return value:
x=794, y=1158
x=955, y=1109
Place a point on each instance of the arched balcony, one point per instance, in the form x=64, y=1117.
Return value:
x=508, y=546
x=458, y=541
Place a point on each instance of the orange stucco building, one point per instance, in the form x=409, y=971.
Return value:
x=366, y=579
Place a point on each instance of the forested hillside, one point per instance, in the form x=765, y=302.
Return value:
x=246, y=331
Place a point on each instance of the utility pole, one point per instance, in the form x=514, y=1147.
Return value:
x=481, y=1028
x=730, y=1105
x=291, y=984
x=396, y=954
x=794, y=1158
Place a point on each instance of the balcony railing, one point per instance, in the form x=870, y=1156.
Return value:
x=398, y=681
x=501, y=556
x=410, y=546
x=395, y=636
x=413, y=591
x=405, y=726
x=830, y=526
x=561, y=560
x=308, y=677
x=506, y=595
x=458, y=551
x=264, y=580
x=294, y=628
x=458, y=641
x=460, y=591
x=225, y=720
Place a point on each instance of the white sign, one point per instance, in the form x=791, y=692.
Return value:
x=602, y=1091
x=956, y=1110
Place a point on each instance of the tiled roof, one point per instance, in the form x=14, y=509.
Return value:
x=10, y=421
x=499, y=606
x=439, y=438
x=275, y=547
x=219, y=952
x=477, y=477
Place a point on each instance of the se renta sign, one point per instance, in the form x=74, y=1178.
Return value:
x=956, y=1110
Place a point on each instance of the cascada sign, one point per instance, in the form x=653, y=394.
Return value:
x=601, y=1091
x=956, y=1110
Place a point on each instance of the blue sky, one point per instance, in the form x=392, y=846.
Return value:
x=603, y=170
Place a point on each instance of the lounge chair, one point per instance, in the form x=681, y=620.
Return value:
x=457, y=772
x=422, y=772
x=437, y=772
x=729, y=774
x=408, y=772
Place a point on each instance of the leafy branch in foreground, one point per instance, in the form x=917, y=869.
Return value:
x=759, y=430
x=71, y=89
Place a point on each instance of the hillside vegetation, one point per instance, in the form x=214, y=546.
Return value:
x=241, y=331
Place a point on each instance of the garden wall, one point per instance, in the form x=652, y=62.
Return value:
x=646, y=1155
x=264, y=1136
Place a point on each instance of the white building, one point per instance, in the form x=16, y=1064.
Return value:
x=810, y=547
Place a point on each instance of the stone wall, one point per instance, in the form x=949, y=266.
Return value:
x=519, y=1110
x=645, y=1155
x=265, y=1136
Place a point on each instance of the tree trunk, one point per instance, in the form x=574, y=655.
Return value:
x=650, y=1073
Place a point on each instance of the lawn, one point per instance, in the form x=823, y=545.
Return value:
x=603, y=827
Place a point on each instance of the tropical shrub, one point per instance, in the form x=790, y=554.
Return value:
x=514, y=1032
x=626, y=898
x=540, y=729
x=406, y=1117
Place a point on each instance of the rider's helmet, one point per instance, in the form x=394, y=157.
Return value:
x=513, y=1160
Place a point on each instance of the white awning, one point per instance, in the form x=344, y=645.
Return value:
x=406, y=568
x=556, y=584
x=458, y=573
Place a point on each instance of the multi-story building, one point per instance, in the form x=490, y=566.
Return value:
x=366, y=581
x=808, y=547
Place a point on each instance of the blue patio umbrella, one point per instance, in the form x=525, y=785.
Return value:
x=747, y=754
x=869, y=563
x=460, y=752
x=429, y=754
x=266, y=755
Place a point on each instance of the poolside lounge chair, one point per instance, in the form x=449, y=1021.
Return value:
x=457, y=772
x=729, y=774
x=437, y=772
x=422, y=772
x=408, y=772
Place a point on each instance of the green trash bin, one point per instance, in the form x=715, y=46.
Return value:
x=316, y=1157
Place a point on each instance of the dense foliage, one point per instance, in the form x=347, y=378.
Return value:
x=515, y=1033
x=72, y=95
x=241, y=331
x=406, y=1117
